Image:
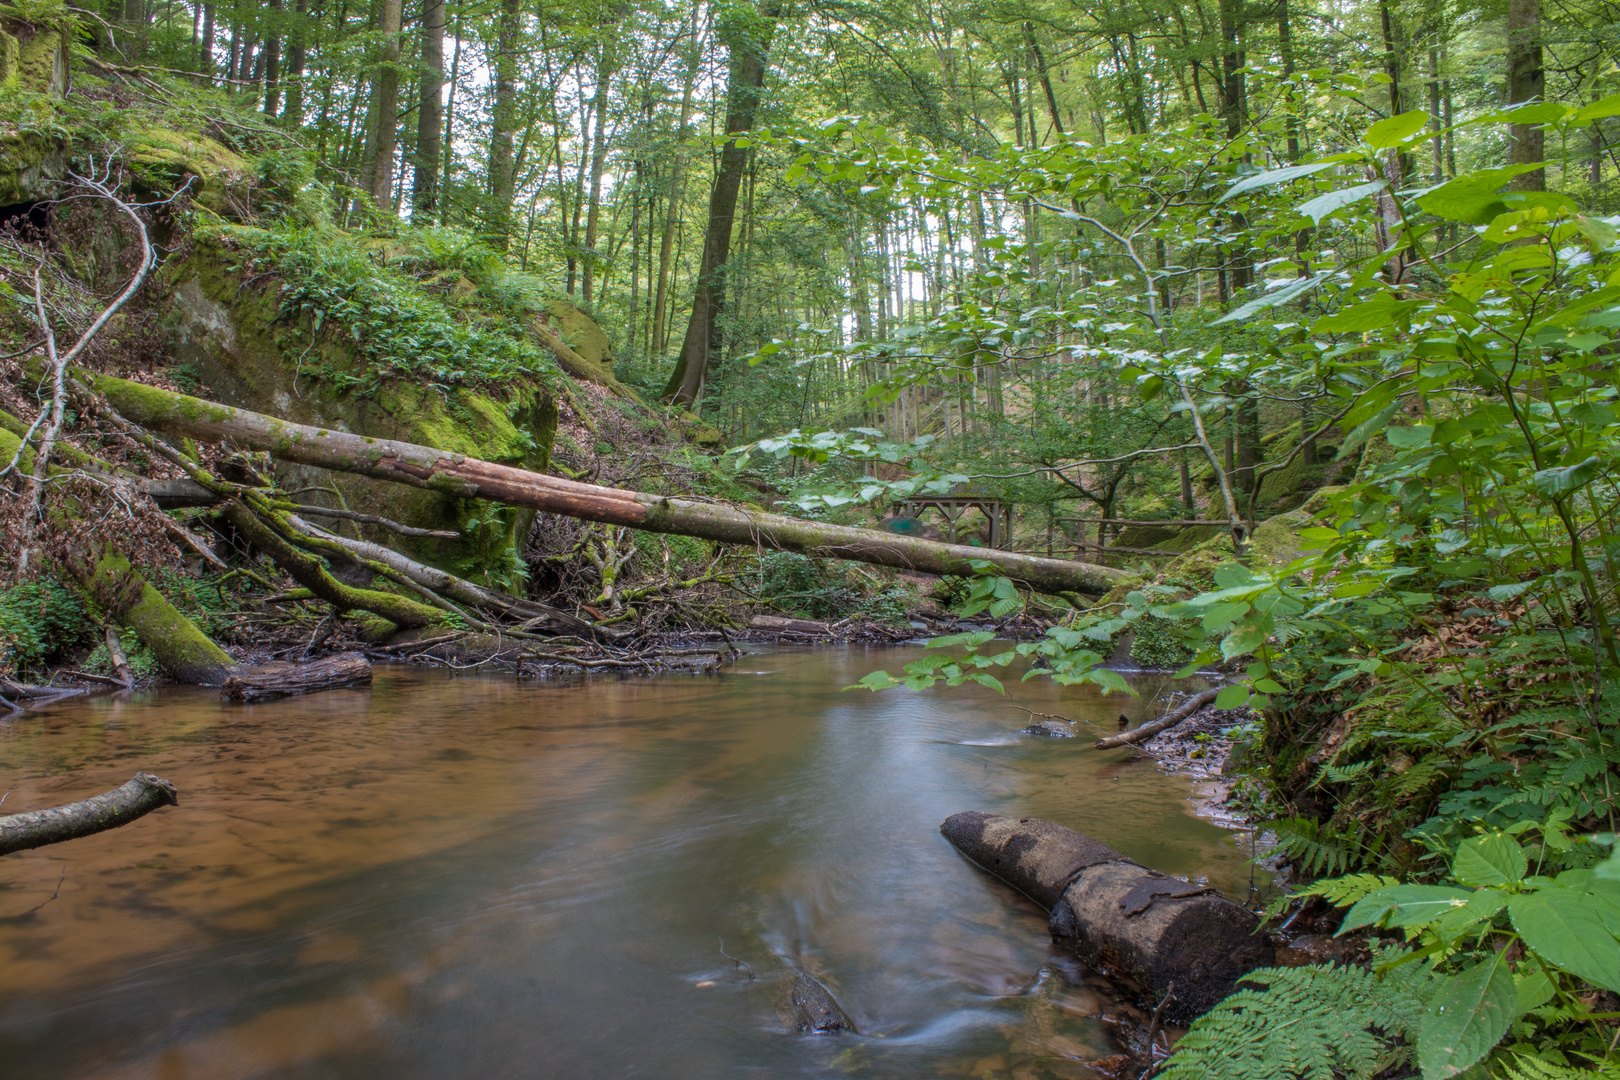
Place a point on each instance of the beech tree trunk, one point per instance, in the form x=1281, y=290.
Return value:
x=430, y=113
x=387, y=108
x=502, y=176
x=1526, y=82
x=749, y=41
x=120, y=806
x=438, y=470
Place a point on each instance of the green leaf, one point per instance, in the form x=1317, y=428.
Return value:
x=1472, y=198
x=1404, y=905
x=1219, y=616
x=1243, y=640
x=1396, y=129
x=1407, y=438
x=1534, y=988
x=1496, y=859
x=1555, y=483
x=1232, y=697
x=877, y=680
x=1272, y=176
x=1320, y=207
x=1598, y=110
x=1366, y=429
x=1374, y=314
x=1563, y=932
x=1467, y=1018
x=1271, y=299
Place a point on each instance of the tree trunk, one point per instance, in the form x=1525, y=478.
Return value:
x=502, y=176
x=297, y=50
x=1147, y=731
x=386, y=85
x=748, y=41
x=272, y=60
x=1526, y=82
x=430, y=114
x=437, y=470
x=183, y=652
x=120, y=806
x=593, y=214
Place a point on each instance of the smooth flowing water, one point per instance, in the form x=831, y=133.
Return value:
x=462, y=875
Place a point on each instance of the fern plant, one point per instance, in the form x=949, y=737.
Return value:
x=1306, y=1023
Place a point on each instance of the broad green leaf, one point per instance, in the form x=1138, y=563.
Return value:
x=1375, y=314
x=877, y=680
x=1473, y=197
x=1272, y=176
x=1366, y=430
x=1601, y=234
x=1320, y=207
x=1541, y=112
x=1242, y=641
x=1396, y=129
x=1556, y=483
x=1489, y=860
x=1563, y=932
x=1534, y=988
x=1598, y=110
x=1467, y=1018
x=1219, y=616
x=1272, y=299
x=1233, y=575
x=1404, y=905
x=1408, y=437
x=1232, y=697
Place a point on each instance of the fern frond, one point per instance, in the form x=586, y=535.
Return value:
x=1306, y=1023
x=1344, y=891
x=1311, y=846
x=1522, y=1066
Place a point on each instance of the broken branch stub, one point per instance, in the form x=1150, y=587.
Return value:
x=120, y=806
x=456, y=474
x=1146, y=930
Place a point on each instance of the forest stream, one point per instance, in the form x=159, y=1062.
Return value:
x=460, y=874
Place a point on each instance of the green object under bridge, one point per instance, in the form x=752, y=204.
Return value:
x=953, y=507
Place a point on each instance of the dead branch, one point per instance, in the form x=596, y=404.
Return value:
x=1147, y=731
x=122, y=805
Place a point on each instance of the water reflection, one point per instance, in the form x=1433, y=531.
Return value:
x=469, y=876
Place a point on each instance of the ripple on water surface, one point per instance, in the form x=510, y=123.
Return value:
x=467, y=876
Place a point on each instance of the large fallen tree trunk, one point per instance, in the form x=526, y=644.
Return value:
x=281, y=680
x=454, y=474
x=120, y=806
x=1157, y=935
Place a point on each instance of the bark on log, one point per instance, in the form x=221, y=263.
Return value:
x=1144, y=929
x=1170, y=720
x=815, y=1009
x=283, y=680
x=778, y=623
x=437, y=470
x=120, y=806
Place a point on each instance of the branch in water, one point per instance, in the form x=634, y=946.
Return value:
x=122, y=805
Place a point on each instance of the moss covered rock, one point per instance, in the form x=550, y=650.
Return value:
x=234, y=347
x=167, y=158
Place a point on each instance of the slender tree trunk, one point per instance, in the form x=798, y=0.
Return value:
x=297, y=58
x=430, y=113
x=272, y=60
x=749, y=41
x=442, y=193
x=593, y=217
x=502, y=175
x=205, y=45
x=1526, y=82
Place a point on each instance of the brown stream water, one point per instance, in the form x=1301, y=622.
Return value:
x=465, y=876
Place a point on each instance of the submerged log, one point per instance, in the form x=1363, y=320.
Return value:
x=1169, y=720
x=1154, y=934
x=284, y=680
x=777, y=623
x=455, y=474
x=120, y=806
x=815, y=1009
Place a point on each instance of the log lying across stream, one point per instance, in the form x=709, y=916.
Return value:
x=1154, y=934
x=120, y=806
x=454, y=474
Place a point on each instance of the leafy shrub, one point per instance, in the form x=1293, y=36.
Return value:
x=40, y=619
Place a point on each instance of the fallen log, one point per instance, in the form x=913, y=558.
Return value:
x=284, y=680
x=1146, y=930
x=1169, y=720
x=815, y=1009
x=454, y=474
x=779, y=624
x=120, y=806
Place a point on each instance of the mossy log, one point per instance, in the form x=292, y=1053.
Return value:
x=455, y=474
x=120, y=806
x=1156, y=935
x=183, y=652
